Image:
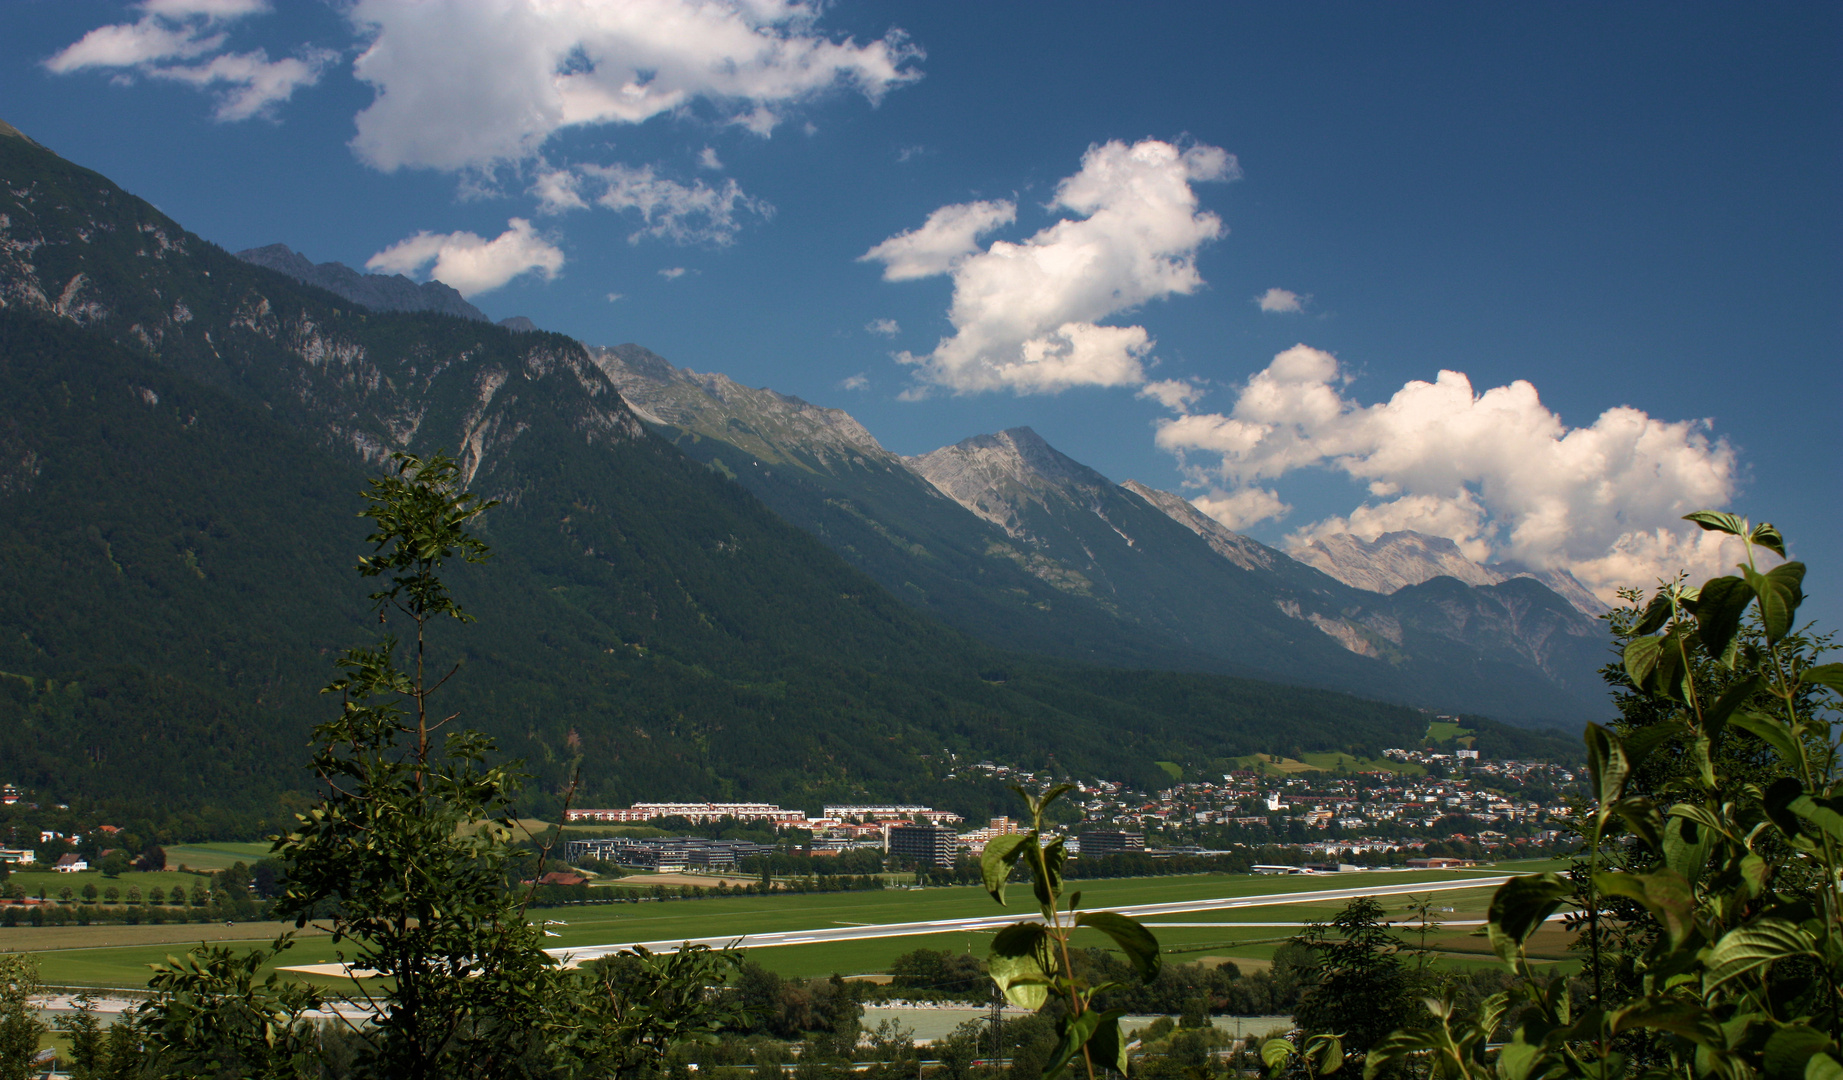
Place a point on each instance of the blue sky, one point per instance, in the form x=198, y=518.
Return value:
x=1618, y=223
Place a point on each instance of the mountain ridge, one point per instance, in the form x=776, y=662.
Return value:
x=380, y=292
x=1394, y=560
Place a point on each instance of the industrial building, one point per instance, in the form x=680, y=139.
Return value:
x=1111, y=842
x=665, y=855
x=934, y=844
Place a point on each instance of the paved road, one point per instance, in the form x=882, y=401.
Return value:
x=575, y=955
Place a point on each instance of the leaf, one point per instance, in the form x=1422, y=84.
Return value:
x=1001, y=854
x=1772, y=731
x=1641, y=816
x=1767, y=535
x=1715, y=717
x=1664, y=893
x=1657, y=613
x=1687, y=843
x=1754, y=872
x=1016, y=964
x=1823, y=1067
x=1674, y=1015
x=1076, y=1032
x=1830, y=675
x=1516, y=1058
x=1716, y=521
x=1777, y=802
x=1826, y=814
x=1134, y=940
x=1607, y=762
x=1275, y=1052
x=1330, y=1054
x=1046, y=871
x=1519, y=906
x=1641, y=657
x=1719, y=608
x=1105, y=1046
x=1021, y=979
x=1748, y=948
x=1790, y=1049
x=1780, y=593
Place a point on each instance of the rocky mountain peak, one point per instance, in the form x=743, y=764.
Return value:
x=996, y=476
x=1396, y=560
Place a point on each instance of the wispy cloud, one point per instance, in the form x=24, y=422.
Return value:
x=183, y=41
x=683, y=213
x=467, y=85
x=886, y=327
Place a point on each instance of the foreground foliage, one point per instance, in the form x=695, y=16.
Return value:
x=1708, y=905
x=1030, y=961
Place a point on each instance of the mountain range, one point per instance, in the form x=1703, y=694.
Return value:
x=1005, y=537
x=698, y=590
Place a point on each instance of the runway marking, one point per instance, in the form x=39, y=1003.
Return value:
x=579, y=954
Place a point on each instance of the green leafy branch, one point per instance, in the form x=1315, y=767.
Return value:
x=1030, y=960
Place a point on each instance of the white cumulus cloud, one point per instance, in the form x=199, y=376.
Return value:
x=1496, y=472
x=179, y=41
x=1026, y=315
x=467, y=84
x=886, y=327
x=684, y=213
x=707, y=159
x=855, y=382
x=1243, y=507
x=949, y=236
x=470, y=263
x=1281, y=301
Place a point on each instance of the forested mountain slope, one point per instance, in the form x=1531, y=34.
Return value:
x=183, y=442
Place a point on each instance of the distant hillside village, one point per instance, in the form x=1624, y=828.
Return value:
x=1424, y=802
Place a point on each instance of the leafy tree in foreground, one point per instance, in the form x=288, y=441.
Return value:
x=1729, y=886
x=20, y=1026
x=410, y=847
x=1030, y=961
x=1362, y=989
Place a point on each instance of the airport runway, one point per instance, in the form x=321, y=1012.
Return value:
x=578, y=954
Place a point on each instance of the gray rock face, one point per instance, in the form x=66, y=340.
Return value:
x=519, y=324
x=380, y=292
x=1233, y=546
x=1395, y=560
x=774, y=428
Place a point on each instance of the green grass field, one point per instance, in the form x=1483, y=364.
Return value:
x=53, y=883
x=1442, y=730
x=215, y=856
x=118, y=956
x=1327, y=761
